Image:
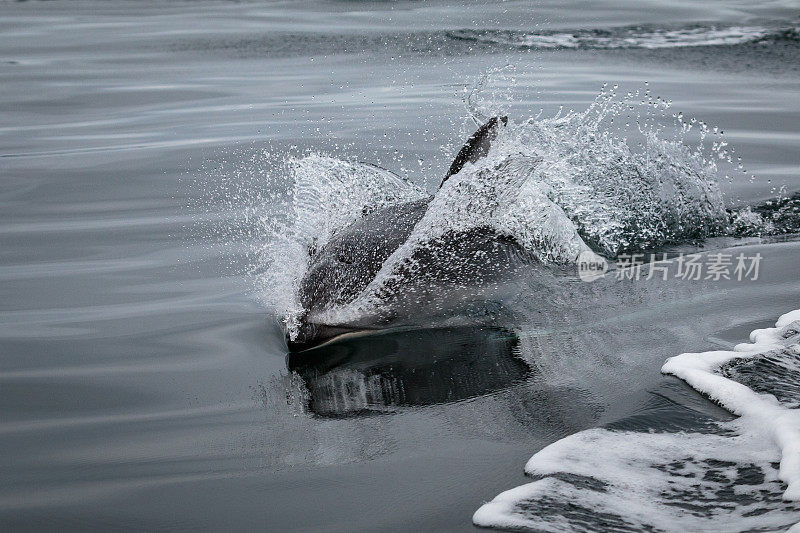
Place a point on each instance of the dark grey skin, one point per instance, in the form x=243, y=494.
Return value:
x=347, y=263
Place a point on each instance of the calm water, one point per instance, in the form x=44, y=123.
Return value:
x=143, y=385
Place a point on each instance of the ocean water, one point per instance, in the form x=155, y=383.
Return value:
x=149, y=163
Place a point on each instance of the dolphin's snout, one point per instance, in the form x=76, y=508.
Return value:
x=302, y=338
x=310, y=335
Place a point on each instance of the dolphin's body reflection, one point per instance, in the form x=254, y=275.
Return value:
x=378, y=372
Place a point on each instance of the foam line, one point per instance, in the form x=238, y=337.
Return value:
x=699, y=370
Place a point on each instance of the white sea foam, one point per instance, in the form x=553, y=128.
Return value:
x=720, y=476
x=779, y=421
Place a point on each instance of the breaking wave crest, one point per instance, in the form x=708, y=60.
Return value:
x=469, y=40
x=646, y=37
x=640, y=475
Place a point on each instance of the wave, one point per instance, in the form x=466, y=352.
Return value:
x=646, y=37
x=737, y=475
x=465, y=41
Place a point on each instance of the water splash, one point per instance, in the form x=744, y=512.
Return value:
x=626, y=174
x=636, y=189
x=487, y=98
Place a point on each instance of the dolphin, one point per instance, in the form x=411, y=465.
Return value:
x=344, y=267
x=350, y=260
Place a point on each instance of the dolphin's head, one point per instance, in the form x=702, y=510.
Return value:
x=343, y=268
x=335, y=275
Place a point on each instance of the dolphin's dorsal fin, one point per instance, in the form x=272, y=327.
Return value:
x=477, y=146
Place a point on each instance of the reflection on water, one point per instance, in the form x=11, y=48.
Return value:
x=375, y=373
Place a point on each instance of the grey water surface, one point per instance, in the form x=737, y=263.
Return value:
x=142, y=384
